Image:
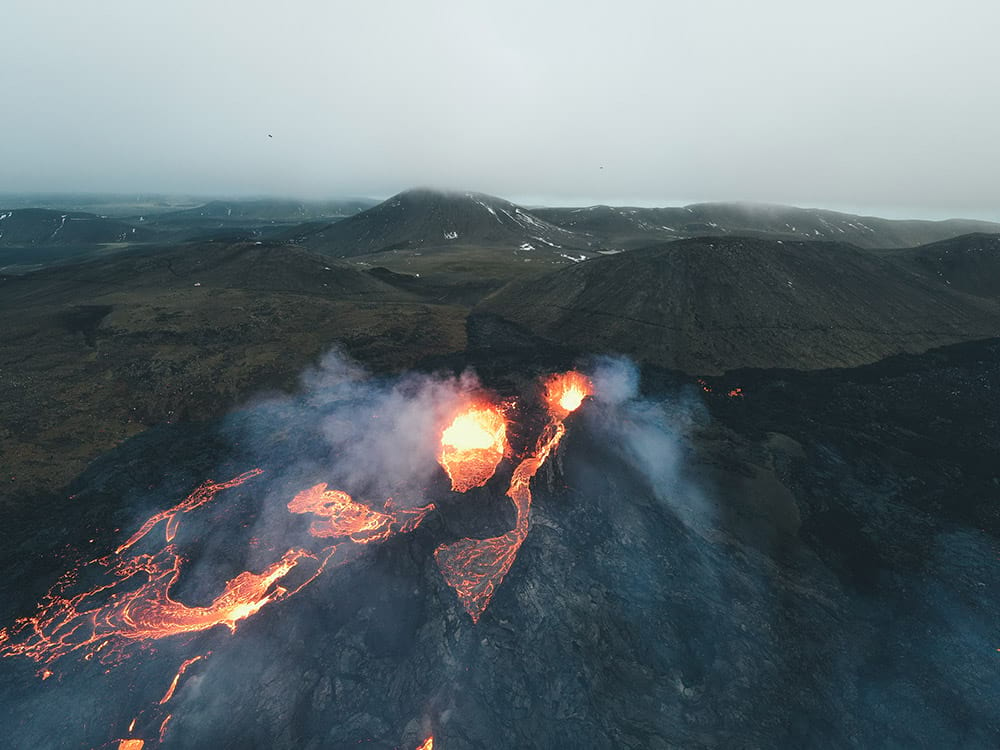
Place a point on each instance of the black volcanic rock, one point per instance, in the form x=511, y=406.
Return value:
x=714, y=304
x=430, y=218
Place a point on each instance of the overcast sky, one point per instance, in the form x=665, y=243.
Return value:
x=882, y=106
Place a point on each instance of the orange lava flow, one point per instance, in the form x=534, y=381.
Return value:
x=341, y=516
x=134, y=603
x=428, y=744
x=131, y=744
x=473, y=445
x=173, y=685
x=70, y=622
x=163, y=726
x=475, y=568
x=203, y=494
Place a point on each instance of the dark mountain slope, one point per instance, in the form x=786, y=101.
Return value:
x=710, y=305
x=970, y=263
x=212, y=265
x=428, y=218
x=33, y=237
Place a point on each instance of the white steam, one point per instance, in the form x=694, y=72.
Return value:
x=374, y=438
x=648, y=437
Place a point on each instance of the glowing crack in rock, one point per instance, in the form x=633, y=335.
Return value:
x=173, y=685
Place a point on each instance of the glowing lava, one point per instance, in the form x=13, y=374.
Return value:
x=205, y=493
x=473, y=445
x=117, y=612
x=428, y=744
x=341, y=516
x=134, y=603
x=565, y=392
x=475, y=568
x=163, y=726
x=130, y=744
x=173, y=685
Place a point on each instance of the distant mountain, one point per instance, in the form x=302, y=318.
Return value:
x=424, y=218
x=709, y=305
x=627, y=228
x=244, y=212
x=47, y=228
x=34, y=237
x=970, y=263
x=212, y=265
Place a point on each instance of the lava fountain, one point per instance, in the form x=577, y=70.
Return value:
x=565, y=392
x=473, y=445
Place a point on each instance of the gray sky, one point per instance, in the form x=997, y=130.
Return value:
x=884, y=106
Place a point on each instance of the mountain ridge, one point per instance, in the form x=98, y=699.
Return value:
x=708, y=305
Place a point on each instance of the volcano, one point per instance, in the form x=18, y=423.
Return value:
x=713, y=304
x=424, y=218
x=258, y=496
x=764, y=570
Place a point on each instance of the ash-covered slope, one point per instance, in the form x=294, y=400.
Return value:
x=628, y=227
x=970, y=263
x=429, y=218
x=713, y=304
